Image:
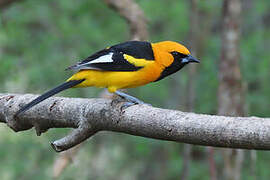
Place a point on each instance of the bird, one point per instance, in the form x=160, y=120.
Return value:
x=126, y=65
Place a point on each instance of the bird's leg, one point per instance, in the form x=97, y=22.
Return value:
x=131, y=100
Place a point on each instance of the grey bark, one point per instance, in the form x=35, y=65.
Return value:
x=89, y=116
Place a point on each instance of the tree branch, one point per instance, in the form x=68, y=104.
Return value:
x=89, y=116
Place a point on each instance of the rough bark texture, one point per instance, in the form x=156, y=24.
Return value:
x=231, y=100
x=89, y=116
x=133, y=14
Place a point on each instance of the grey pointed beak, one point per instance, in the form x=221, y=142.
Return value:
x=192, y=59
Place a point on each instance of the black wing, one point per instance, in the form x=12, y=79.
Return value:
x=112, y=59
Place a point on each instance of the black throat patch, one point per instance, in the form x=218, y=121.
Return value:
x=174, y=67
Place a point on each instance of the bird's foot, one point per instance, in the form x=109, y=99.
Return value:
x=126, y=105
x=131, y=100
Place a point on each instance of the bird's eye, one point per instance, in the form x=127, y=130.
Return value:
x=179, y=55
x=174, y=53
x=182, y=55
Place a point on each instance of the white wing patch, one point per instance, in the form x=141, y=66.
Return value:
x=102, y=59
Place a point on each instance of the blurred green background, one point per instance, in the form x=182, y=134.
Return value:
x=39, y=39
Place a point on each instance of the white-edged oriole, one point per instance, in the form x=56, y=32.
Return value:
x=126, y=65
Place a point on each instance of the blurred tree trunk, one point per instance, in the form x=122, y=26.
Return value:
x=134, y=16
x=212, y=163
x=253, y=160
x=230, y=93
x=64, y=159
x=6, y=3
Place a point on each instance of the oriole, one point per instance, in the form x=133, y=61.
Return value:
x=126, y=65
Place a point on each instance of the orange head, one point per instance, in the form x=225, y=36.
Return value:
x=170, y=46
x=177, y=50
x=172, y=56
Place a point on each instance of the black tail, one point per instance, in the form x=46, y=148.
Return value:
x=48, y=94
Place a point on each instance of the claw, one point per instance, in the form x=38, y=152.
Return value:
x=126, y=105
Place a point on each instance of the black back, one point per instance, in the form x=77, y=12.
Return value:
x=136, y=49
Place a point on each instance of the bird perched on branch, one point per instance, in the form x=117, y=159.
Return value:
x=126, y=65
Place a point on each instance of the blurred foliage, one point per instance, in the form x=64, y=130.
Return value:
x=39, y=39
